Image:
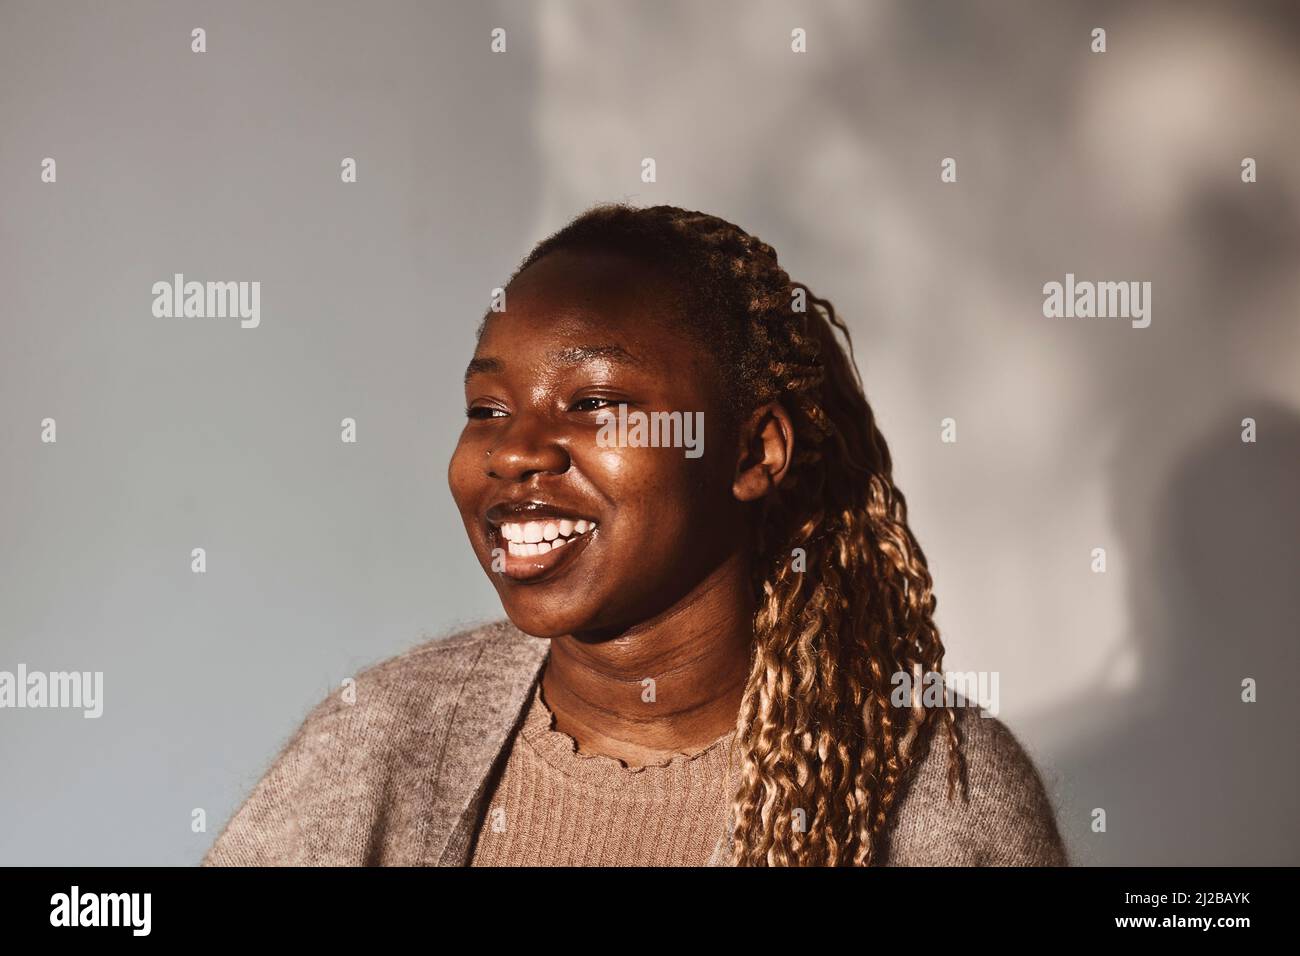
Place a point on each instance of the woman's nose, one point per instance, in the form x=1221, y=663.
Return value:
x=525, y=448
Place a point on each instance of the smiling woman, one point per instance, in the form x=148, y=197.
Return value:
x=701, y=651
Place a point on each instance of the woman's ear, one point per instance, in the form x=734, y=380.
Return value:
x=766, y=447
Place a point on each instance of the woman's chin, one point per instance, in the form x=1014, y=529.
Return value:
x=544, y=622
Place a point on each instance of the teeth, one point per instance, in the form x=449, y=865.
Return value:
x=533, y=538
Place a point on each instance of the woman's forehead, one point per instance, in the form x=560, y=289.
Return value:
x=609, y=285
x=572, y=335
x=555, y=318
x=594, y=305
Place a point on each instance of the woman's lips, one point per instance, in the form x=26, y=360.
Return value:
x=537, y=547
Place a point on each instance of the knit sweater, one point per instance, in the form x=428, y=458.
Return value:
x=557, y=806
x=403, y=772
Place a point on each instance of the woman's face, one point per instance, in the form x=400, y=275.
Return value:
x=581, y=535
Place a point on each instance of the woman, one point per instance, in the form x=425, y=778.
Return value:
x=708, y=626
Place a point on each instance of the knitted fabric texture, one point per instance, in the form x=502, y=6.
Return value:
x=407, y=773
x=557, y=806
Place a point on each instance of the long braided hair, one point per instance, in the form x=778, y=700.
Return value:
x=843, y=593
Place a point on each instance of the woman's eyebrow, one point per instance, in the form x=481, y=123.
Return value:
x=582, y=353
x=482, y=366
x=568, y=356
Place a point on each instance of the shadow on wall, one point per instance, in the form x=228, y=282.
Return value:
x=1186, y=772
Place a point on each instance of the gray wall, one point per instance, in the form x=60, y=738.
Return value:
x=323, y=557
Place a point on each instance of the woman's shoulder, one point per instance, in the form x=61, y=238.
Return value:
x=360, y=742
x=387, y=690
x=1000, y=815
x=419, y=675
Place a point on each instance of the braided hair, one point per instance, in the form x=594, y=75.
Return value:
x=823, y=754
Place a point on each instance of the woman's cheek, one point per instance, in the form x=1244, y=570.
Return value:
x=461, y=477
x=612, y=465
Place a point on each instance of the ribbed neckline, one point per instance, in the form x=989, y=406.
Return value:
x=680, y=772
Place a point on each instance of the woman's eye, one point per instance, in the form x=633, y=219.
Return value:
x=484, y=411
x=591, y=404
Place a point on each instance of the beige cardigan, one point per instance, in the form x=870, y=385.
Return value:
x=400, y=776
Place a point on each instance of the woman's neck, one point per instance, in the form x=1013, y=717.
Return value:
x=667, y=686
